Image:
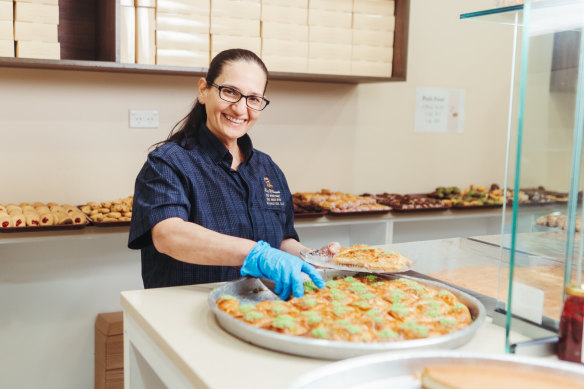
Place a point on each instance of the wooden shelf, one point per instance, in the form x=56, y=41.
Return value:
x=87, y=33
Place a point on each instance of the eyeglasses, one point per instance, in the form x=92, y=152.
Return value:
x=231, y=95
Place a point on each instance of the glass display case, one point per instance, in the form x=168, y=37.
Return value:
x=541, y=255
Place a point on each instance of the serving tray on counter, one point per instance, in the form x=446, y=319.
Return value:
x=253, y=290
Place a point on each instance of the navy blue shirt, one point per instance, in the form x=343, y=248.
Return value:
x=198, y=185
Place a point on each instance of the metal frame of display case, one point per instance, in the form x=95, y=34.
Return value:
x=538, y=26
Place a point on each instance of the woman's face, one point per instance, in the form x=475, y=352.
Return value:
x=230, y=121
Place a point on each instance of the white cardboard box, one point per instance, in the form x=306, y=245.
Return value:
x=41, y=32
x=145, y=35
x=184, y=7
x=276, y=13
x=276, y=30
x=7, y=48
x=225, y=42
x=127, y=34
x=372, y=69
x=330, y=34
x=336, y=51
x=188, y=58
x=44, y=50
x=285, y=48
x=279, y=63
x=6, y=10
x=373, y=38
x=374, y=22
x=37, y=13
x=329, y=66
x=331, y=5
x=243, y=9
x=182, y=40
x=376, y=7
x=233, y=26
x=318, y=17
x=6, y=30
x=193, y=24
x=372, y=53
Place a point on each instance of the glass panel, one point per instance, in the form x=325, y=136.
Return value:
x=544, y=250
x=504, y=15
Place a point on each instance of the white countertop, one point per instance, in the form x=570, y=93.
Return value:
x=180, y=323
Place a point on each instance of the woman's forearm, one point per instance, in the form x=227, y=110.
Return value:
x=192, y=243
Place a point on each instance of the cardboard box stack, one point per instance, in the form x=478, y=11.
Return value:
x=285, y=35
x=109, y=351
x=145, y=27
x=326, y=19
x=36, y=29
x=235, y=24
x=182, y=33
x=6, y=28
x=373, y=29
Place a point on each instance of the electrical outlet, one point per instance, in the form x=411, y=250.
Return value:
x=143, y=118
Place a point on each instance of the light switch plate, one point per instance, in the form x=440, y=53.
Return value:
x=144, y=118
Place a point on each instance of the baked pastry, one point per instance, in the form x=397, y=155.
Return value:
x=32, y=219
x=47, y=219
x=18, y=220
x=363, y=308
x=487, y=377
x=5, y=221
x=367, y=257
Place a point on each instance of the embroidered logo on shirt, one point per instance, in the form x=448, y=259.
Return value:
x=273, y=197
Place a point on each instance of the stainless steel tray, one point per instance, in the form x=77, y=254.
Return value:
x=316, y=258
x=253, y=290
x=401, y=370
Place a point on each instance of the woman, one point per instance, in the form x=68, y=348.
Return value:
x=206, y=202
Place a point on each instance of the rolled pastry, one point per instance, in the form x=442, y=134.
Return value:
x=32, y=219
x=114, y=215
x=23, y=204
x=86, y=209
x=18, y=220
x=56, y=208
x=106, y=204
x=11, y=207
x=98, y=217
x=47, y=219
x=62, y=218
x=5, y=221
x=27, y=208
x=94, y=205
x=38, y=204
x=78, y=217
x=2, y=208
x=42, y=210
x=117, y=208
x=15, y=211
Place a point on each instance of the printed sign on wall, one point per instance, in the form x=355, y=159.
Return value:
x=439, y=110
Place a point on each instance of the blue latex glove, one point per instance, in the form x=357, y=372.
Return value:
x=282, y=268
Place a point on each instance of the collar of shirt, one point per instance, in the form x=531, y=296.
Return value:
x=218, y=152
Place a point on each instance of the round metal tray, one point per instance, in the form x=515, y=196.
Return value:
x=402, y=370
x=253, y=290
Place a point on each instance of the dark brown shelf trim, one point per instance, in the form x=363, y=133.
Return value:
x=114, y=67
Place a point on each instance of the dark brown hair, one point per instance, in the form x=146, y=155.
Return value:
x=188, y=127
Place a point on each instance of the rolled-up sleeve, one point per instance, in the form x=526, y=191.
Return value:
x=160, y=192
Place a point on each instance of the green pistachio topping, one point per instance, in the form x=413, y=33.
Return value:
x=246, y=308
x=433, y=304
x=252, y=316
x=337, y=304
x=376, y=284
x=227, y=297
x=340, y=311
x=444, y=292
x=408, y=324
x=368, y=296
x=278, y=310
x=387, y=334
x=350, y=279
x=343, y=322
x=283, y=321
x=418, y=288
x=373, y=312
x=332, y=283
x=420, y=330
x=310, y=302
x=397, y=297
x=412, y=284
x=337, y=295
x=448, y=321
x=399, y=309
x=321, y=333
x=371, y=277
x=458, y=306
x=388, y=252
x=309, y=286
x=354, y=329
x=377, y=319
x=427, y=296
x=313, y=317
x=362, y=304
x=403, y=280
x=433, y=313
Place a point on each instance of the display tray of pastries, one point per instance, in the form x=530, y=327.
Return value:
x=444, y=370
x=39, y=216
x=360, y=257
x=410, y=202
x=304, y=208
x=109, y=213
x=343, y=204
x=557, y=221
x=474, y=197
x=355, y=314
